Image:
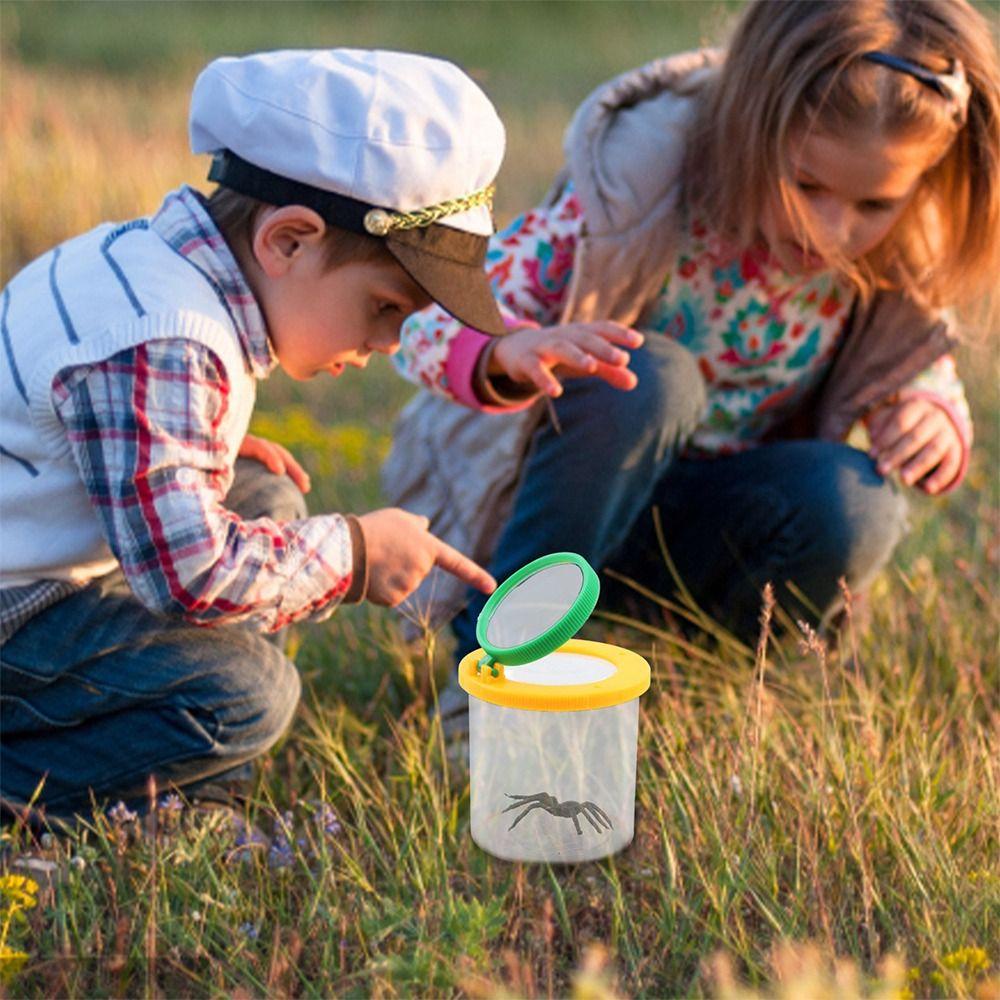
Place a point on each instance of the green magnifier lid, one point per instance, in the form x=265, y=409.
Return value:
x=533, y=612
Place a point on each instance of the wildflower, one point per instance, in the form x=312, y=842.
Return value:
x=11, y=962
x=249, y=931
x=280, y=854
x=172, y=804
x=971, y=960
x=736, y=785
x=247, y=838
x=247, y=834
x=18, y=892
x=47, y=840
x=120, y=814
x=327, y=821
x=196, y=916
x=77, y=862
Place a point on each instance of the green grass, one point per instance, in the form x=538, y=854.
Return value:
x=582, y=42
x=846, y=802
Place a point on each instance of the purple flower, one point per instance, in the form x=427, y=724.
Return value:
x=120, y=814
x=327, y=821
x=172, y=804
x=246, y=838
x=249, y=931
x=246, y=834
x=281, y=854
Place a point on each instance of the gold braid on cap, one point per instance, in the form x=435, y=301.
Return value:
x=380, y=222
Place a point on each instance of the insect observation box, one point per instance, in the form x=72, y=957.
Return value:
x=553, y=720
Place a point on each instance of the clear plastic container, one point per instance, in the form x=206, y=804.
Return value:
x=553, y=752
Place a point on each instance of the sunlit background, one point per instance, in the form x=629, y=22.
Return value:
x=874, y=791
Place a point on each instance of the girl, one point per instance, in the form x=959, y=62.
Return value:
x=785, y=222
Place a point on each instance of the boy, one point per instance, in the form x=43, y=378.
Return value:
x=355, y=189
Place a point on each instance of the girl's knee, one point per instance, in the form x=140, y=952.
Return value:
x=878, y=527
x=669, y=398
x=865, y=516
x=671, y=389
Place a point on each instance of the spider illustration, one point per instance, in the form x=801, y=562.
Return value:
x=595, y=815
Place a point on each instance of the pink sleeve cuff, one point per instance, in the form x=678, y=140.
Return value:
x=460, y=365
x=960, y=425
x=460, y=370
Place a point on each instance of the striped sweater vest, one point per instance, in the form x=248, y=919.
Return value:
x=108, y=290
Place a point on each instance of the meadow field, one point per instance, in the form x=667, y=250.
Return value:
x=814, y=819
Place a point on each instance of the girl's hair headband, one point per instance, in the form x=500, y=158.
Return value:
x=953, y=86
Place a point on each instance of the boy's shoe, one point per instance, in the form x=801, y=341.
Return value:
x=45, y=872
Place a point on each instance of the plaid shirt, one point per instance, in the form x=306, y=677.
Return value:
x=144, y=428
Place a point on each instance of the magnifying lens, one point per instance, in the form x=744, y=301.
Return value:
x=535, y=611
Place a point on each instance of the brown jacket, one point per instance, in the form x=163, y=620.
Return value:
x=624, y=154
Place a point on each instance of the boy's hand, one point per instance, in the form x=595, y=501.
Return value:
x=539, y=357
x=401, y=552
x=276, y=458
x=917, y=437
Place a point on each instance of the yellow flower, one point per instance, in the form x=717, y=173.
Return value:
x=971, y=960
x=11, y=963
x=18, y=891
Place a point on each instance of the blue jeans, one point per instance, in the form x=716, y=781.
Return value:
x=98, y=693
x=805, y=511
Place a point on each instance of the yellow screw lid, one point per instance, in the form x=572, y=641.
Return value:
x=580, y=675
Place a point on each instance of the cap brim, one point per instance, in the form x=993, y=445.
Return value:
x=447, y=263
x=456, y=280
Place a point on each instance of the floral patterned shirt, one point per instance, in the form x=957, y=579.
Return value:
x=763, y=337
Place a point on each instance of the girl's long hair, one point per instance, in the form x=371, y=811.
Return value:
x=795, y=67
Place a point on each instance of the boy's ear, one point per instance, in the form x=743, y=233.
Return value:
x=283, y=234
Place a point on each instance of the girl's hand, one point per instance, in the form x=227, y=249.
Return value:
x=917, y=437
x=541, y=356
x=276, y=458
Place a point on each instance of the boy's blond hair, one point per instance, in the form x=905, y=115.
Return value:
x=795, y=67
x=236, y=215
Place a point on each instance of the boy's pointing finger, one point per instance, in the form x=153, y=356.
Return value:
x=452, y=561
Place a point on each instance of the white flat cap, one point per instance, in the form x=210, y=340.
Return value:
x=398, y=146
